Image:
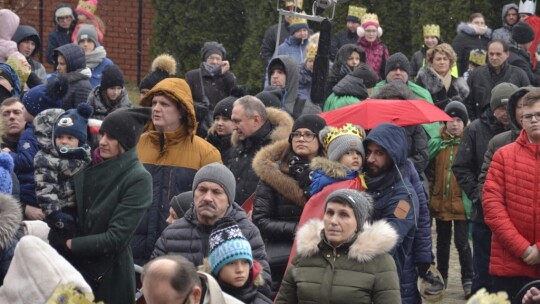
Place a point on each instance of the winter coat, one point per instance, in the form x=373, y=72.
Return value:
x=326, y=172
x=467, y=40
x=213, y=293
x=10, y=221
x=15, y=82
x=215, y=89
x=446, y=202
x=340, y=39
x=54, y=174
x=458, y=89
x=268, y=45
x=112, y=198
x=505, y=32
x=510, y=207
x=376, y=55
x=248, y=293
x=9, y=22
x=347, y=91
x=294, y=47
x=418, y=61
x=277, y=127
x=189, y=238
x=291, y=101
x=520, y=58
x=103, y=107
x=95, y=79
x=393, y=192
x=221, y=142
x=483, y=79
x=534, y=22
x=79, y=88
x=172, y=158
x=360, y=269
x=470, y=157
x=23, y=158
x=340, y=69
x=59, y=36
x=304, y=82
x=24, y=32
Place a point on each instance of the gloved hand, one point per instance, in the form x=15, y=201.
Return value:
x=422, y=269
x=62, y=221
x=58, y=241
x=299, y=170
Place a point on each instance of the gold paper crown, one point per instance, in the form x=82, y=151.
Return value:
x=299, y=3
x=297, y=20
x=370, y=18
x=347, y=129
x=357, y=11
x=311, y=51
x=478, y=57
x=432, y=30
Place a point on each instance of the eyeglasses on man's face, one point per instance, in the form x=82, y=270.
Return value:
x=529, y=117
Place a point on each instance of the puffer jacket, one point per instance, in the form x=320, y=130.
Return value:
x=505, y=32
x=467, y=40
x=360, y=269
x=483, y=79
x=221, y=142
x=340, y=69
x=393, y=192
x=428, y=79
x=172, y=158
x=78, y=75
x=103, y=107
x=446, y=202
x=347, y=91
x=10, y=224
x=24, y=165
x=277, y=127
x=470, y=157
x=510, y=207
x=191, y=239
x=294, y=47
x=376, y=55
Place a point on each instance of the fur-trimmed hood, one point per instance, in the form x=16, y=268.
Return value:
x=281, y=122
x=266, y=165
x=205, y=267
x=10, y=219
x=330, y=168
x=373, y=240
x=434, y=84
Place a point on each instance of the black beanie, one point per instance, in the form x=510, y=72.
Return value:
x=397, y=60
x=126, y=125
x=181, y=203
x=111, y=76
x=522, y=33
x=313, y=122
x=271, y=97
x=163, y=66
x=457, y=109
x=224, y=107
x=212, y=47
x=366, y=73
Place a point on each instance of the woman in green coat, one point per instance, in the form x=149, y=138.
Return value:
x=112, y=197
x=343, y=259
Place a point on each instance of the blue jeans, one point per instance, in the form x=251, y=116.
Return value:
x=481, y=237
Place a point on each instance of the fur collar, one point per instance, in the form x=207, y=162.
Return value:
x=375, y=239
x=10, y=219
x=328, y=167
x=280, y=120
x=266, y=166
x=434, y=84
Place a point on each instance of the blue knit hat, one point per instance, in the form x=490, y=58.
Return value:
x=74, y=122
x=6, y=167
x=227, y=244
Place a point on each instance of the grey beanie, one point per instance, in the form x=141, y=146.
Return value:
x=360, y=202
x=181, y=203
x=501, y=93
x=457, y=109
x=397, y=60
x=343, y=144
x=219, y=174
x=88, y=31
x=212, y=47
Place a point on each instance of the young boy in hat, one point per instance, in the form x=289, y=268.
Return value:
x=295, y=45
x=64, y=152
x=231, y=262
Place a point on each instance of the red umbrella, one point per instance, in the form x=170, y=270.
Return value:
x=371, y=112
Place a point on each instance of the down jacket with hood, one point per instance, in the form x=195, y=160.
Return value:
x=77, y=73
x=191, y=239
x=10, y=231
x=511, y=209
x=396, y=201
x=294, y=47
x=172, y=158
x=469, y=38
x=458, y=90
x=290, y=101
x=361, y=269
x=277, y=127
x=25, y=32
x=505, y=32
x=59, y=36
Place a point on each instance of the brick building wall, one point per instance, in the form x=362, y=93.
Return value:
x=121, y=38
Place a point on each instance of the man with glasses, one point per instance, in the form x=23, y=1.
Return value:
x=174, y=279
x=511, y=200
x=254, y=127
x=467, y=167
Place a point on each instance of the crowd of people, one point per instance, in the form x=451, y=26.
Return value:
x=223, y=197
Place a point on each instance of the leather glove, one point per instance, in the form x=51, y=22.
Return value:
x=58, y=240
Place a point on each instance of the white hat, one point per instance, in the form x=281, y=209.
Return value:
x=35, y=271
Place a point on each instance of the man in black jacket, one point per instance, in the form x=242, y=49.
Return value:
x=349, y=35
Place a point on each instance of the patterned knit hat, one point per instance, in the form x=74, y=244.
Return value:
x=6, y=167
x=74, y=122
x=360, y=202
x=339, y=141
x=227, y=244
x=87, y=8
x=46, y=96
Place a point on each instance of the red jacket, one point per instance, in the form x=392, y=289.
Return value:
x=512, y=207
x=534, y=22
